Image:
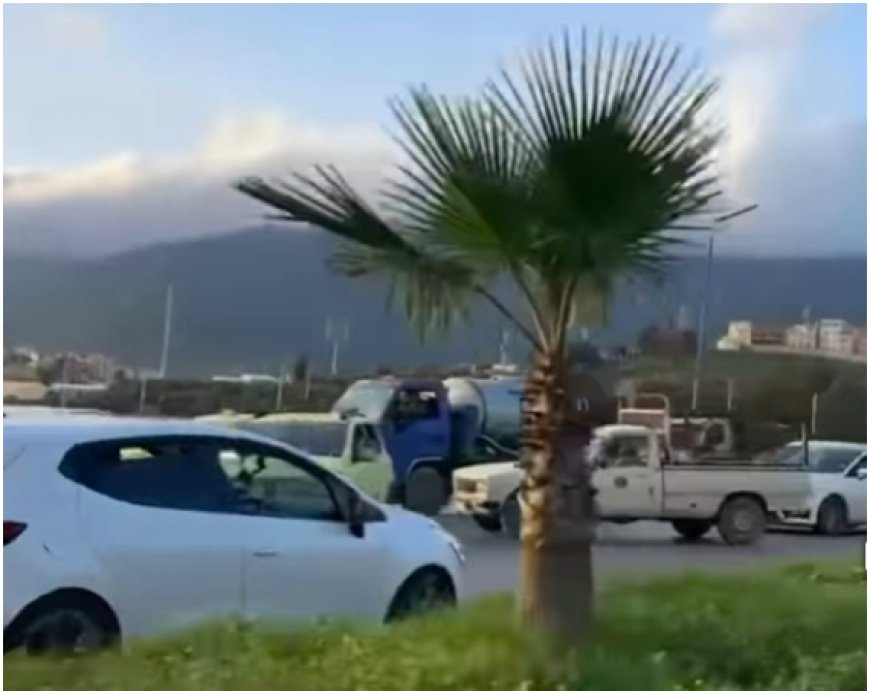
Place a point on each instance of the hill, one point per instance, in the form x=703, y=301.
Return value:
x=252, y=299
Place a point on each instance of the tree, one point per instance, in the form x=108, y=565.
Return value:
x=579, y=170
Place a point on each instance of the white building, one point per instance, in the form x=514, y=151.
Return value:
x=836, y=336
x=802, y=337
x=740, y=333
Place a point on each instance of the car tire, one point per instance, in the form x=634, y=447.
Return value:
x=691, y=529
x=833, y=517
x=489, y=524
x=424, y=492
x=511, y=516
x=429, y=590
x=742, y=521
x=66, y=624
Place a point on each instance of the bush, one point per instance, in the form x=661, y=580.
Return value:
x=798, y=629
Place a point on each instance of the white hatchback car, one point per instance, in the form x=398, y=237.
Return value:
x=117, y=528
x=838, y=484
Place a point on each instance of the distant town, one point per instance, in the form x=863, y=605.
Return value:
x=835, y=338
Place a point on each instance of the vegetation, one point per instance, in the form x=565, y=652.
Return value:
x=798, y=629
x=563, y=179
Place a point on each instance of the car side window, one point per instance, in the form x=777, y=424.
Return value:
x=417, y=404
x=626, y=452
x=859, y=466
x=366, y=445
x=274, y=483
x=159, y=472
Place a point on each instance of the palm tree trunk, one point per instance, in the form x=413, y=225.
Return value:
x=558, y=525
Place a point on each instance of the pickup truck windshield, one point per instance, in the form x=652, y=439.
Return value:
x=318, y=439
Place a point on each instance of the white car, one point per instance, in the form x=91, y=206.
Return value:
x=838, y=485
x=118, y=528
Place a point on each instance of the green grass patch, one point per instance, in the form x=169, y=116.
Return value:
x=800, y=628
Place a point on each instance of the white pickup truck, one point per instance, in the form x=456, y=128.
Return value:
x=637, y=479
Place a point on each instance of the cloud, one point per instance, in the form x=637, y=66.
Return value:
x=71, y=27
x=810, y=183
x=128, y=200
x=762, y=44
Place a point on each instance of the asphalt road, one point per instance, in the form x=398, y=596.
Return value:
x=644, y=549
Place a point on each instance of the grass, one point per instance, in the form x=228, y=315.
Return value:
x=801, y=628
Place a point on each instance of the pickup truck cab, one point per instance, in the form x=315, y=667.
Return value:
x=352, y=448
x=637, y=479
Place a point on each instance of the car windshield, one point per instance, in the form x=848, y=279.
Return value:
x=365, y=399
x=318, y=439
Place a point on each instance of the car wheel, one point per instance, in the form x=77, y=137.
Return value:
x=742, y=521
x=691, y=529
x=511, y=516
x=65, y=626
x=489, y=524
x=833, y=518
x=426, y=591
x=424, y=492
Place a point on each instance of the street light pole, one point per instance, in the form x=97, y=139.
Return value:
x=702, y=317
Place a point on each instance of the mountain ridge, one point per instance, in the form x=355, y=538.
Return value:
x=257, y=297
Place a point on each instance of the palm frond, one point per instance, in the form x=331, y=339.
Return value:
x=586, y=166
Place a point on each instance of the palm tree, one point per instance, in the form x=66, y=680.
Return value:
x=581, y=169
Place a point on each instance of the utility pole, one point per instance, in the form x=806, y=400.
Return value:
x=143, y=391
x=702, y=316
x=336, y=334
x=279, y=393
x=64, y=377
x=167, y=331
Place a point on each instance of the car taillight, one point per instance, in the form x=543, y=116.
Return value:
x=11, y=531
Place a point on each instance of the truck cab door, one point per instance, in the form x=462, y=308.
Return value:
x=627, y=478
x=367, y=462
x=419, y=426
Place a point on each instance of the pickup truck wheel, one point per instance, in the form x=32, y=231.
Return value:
x=832, y=518
x=691, y=529
x=490, y=524
x=511, y=516
x=424, y=492
x=742, y=521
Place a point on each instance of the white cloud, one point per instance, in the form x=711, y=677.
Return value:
x=127, y=200
x=762, y=44
x=811, y=185
x=72, y=27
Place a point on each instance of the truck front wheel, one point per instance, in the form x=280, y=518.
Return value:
x=691, y=529
x=424, y=492
x=742, y=521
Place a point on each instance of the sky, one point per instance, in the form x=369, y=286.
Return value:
x=125, y=124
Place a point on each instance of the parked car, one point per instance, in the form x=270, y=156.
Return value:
x=119, y=528
x=837, y=482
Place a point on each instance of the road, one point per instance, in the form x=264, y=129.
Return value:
x=643, y=549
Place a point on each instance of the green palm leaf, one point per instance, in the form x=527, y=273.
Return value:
x=583, y=167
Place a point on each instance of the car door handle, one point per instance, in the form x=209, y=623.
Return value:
x=265, y=553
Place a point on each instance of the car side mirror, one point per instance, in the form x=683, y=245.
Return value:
x=351, y=509
x=861, y=473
